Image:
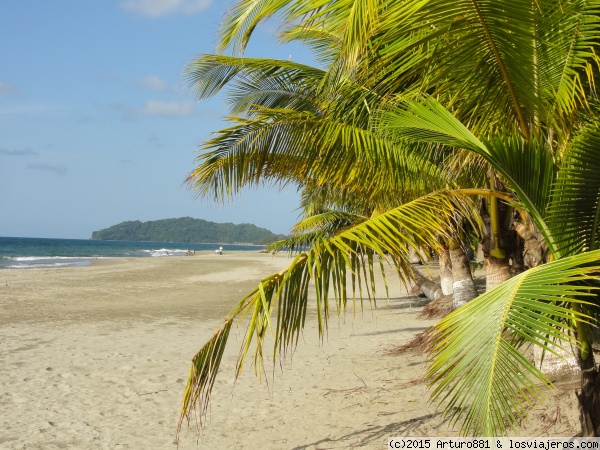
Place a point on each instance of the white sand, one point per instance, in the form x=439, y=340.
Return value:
x=97, y=358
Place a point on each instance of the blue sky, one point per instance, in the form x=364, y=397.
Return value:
x=95, y=125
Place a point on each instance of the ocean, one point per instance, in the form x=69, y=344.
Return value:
x=27, y=253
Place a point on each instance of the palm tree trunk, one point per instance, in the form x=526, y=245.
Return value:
x=463, y=286
x=535, y=247
x=413, y=255
x=497, y=247
x=589, y=396
x=517, y=256
x=446, y=277
x=431, y=290
x=497, y=271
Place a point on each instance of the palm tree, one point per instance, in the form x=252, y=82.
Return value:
x=339, y=32
x=558, y=298
x=527, y=67
x=508, y=81
x=270, y=144
x=295, y=115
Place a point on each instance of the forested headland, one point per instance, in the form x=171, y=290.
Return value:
x=187, y=229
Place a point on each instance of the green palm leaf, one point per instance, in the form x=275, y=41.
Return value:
x=574, y=211
x=298, y=242
x=283, y=146
x=203, y=372
x=489, y=44
x=255, y=81
x=330, y=264
x=566, y=37
x=315, y=228
x=516, y=64
x=527, y=165
x=332, y=219
x=483, y=340
x=428, y=121
x=242, y=19
x=322, y=40
x=351, y=20
x=317, y=198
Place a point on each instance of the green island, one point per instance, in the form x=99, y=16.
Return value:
x=187, y=229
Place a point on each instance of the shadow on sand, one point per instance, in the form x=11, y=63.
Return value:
x=372, y=435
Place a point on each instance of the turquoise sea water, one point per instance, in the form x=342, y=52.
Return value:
x=24, y=253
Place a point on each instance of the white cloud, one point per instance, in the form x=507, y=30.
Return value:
x=154, y=83
x=166, y=109
x=56, y=169
x=25, y=152
x=7, y=89
x=155, y=108
x=157, y=8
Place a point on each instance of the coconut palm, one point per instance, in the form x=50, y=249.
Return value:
x=311, y=127
x=340, y=30
x=563, y=203
x=274, y=142
x=331, y=263
x=528, y=70
x=508, y=81
x=519, y=66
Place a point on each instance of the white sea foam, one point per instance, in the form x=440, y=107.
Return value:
x=37, y=258
x=49, y=265
x=44, y=262
x=51, y=258
x=167, y=252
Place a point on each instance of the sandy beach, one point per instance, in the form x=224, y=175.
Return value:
x=97, y=358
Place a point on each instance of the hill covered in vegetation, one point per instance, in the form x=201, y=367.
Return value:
x=187, y=229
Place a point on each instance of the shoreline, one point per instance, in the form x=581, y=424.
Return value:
x=59, y=253
x=98, y=356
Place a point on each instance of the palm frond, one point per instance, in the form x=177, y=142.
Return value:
x=574, y=211
x=242, y=19
x=328, y=220
x=205, y=366
x=283, y=146
x=565, y=38
x=488, y=44
x=315, y=228
x=352, y=21
x=254, y=81
x=527, y=165
x=298, y=242
x=323, y=41
x=316, y=198
x=427, y=121
x=482, y=341
x=331, y=264
x=500, y=63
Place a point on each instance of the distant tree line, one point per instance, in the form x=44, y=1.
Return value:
x=187, y=229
